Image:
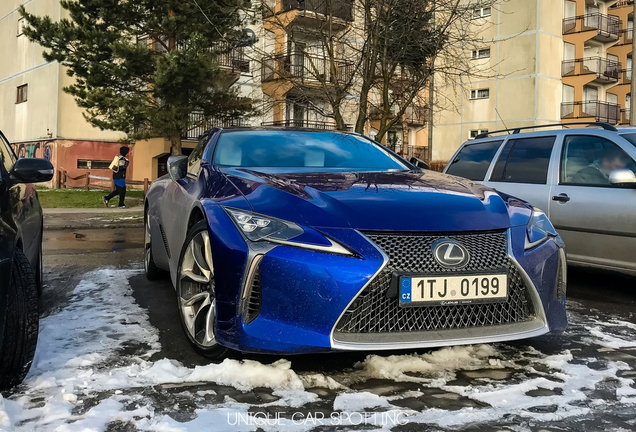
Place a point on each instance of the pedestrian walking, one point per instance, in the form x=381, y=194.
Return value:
x=119, y=166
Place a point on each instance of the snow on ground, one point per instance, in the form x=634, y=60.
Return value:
x=92, y=371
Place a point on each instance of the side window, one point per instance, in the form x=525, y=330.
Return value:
x=7, y=158
x=524, y=161
x=473, y=160
x=589, y=160
x=194, y=160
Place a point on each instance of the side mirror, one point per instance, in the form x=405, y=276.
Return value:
x=178, y=167
x=419, y=163
x=28, y=170
x=623, y=177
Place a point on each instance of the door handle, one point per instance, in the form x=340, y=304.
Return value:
x=563, y=198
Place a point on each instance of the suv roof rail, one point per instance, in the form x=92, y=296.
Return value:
x=605, y=126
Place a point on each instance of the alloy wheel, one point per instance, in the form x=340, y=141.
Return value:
x=196, y=292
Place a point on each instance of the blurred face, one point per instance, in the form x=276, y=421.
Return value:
x=613, y=163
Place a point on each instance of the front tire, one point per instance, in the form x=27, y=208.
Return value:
x=152, y=271
x=196, y=294
x=21, y=323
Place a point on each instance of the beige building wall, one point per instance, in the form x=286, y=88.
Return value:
x=525, y=41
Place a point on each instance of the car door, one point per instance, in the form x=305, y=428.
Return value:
x=597, y=220
x=473, y=159
x=20, y=203
x=181, y=194
x=522, y=169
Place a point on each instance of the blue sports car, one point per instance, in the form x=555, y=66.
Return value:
x=297, y=241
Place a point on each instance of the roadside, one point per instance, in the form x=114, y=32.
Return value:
x=99, y=218
x=79, y=198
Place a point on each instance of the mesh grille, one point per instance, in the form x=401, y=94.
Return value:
x=374, y=312
x=254, y=298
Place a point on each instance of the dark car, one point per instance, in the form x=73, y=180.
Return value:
x=20, y=261
x=295, y=241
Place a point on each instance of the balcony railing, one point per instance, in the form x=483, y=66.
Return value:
x=608, y=27
x=304, y=67
x=626, y=76
x=604, y=69
x=302, y=123
x=625, y=116
x=233, y=58
x=202, y=125
x=342, y=9
x=627, y=36
x=600, y=111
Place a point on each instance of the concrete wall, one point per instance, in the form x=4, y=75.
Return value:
x=523, y=75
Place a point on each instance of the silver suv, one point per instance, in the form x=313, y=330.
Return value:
x=583, y=179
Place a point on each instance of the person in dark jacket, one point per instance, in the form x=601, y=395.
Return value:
x=598, y=172
x=119, y=166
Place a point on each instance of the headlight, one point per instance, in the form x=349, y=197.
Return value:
x=256, y=227
x=539, y=229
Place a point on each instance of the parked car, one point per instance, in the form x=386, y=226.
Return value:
x=297, y=241
x=582, y=178
x=20, y=261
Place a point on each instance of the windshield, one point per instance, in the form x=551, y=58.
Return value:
x=302, y=149
x=631, y=137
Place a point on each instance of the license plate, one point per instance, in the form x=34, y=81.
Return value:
x=453, y=290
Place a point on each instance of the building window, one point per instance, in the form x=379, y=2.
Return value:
x=480, y=53
x=92, y=164
x=473, y=133
x=482, y=12
x=23, y=93
x=480, y=94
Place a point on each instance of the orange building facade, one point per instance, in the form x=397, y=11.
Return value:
x=597, y=60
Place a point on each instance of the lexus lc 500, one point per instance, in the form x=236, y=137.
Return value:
x=297, y=241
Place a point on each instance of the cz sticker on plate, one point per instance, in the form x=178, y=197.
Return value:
x=453, y=290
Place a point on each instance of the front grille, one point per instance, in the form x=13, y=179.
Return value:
x=375, y=312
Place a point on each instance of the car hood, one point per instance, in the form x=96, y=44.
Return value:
x=394, y=201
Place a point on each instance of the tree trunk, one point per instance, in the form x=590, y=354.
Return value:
x=176, y=145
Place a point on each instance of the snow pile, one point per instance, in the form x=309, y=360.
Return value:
x=84, y=378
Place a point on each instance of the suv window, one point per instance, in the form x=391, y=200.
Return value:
x=589, y=160
x=473, y=160
x=524, y=160
x=7, y=158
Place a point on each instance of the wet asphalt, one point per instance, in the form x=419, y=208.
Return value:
x=76, y=244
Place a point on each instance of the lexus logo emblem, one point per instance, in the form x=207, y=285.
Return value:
x=450, y=254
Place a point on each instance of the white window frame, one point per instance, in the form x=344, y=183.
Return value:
x=474, y=94
x=472, y=134
x=482, y=12
x=480, y=53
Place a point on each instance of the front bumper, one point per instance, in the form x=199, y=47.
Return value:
x=303, y=295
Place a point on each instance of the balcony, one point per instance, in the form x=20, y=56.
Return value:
x=202, y=125
x=302, y=123
x=305, y=68
x=607, y=27
x=627, y=36
x=599, y=111
x=606, y=71
x=625, y=116
x=234, y=59
x=340, y=9
x=626, y=76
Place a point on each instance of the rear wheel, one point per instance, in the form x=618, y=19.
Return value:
x=21, y=323
x=196, y=295
x=152, y=271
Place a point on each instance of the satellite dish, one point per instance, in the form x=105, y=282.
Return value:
x=248, y=38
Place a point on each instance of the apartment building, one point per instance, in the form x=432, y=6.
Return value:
x=597, y=60
x=519, y=64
